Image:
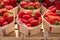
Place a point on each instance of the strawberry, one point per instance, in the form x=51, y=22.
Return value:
x=22, y=4
x=20, y=14
x=51, y=13
x=52, y=19
x=23, y=20
x=53, y=10
x=5, y=23
x=37, y=4
x=0, y=1
x=1, y=19
x=29, y=25
x=26, y=17
x=37, y=15
x=8, y=17
x=0, y=12
x=47, y=19
x=45, y=5
x=58, y=18
x=28, y=12
x=40, y=19
x=6, y=2
x=51, y=7
x=9, y=7
x=31, y=4
x=30, y=20
x=13, y=2
x=34, y=22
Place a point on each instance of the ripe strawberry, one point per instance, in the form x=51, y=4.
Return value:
x=8, y=17
x=39, y=19
x=1, y=19
x=26, y=17
x=29, y=25
x=5, y=23
x=20, y=14
x=0, y=12
x=34, y=22
x=23, y=20
x=0, y=1
x=37, y=4
x=31, y=4
x=28, y=12
x=53, y=10
x=9, y=7
x=47, y=19
x=23, y=4
x=45, y=5
x=58, y=18
x=51, y=13
x=51, y=7
x=6, y=2
x=3, y=11
x=52, y=19
x=37, y=15
x=30, y=20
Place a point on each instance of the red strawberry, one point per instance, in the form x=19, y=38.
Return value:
x=31, y=4
x=28, y=12
x=53, y=10
x=47, y=19
x=51, y=7
x=30, y=20
x=9, y=7
x=23, y=4
x=29, y=25
x=1, y=19
x=13, y=2
x=0, y=1
x=37, y=15
x=20, y=14
x=58, y=18
x=40, y=19
x=23, y=20
x=8, y=17
x=26, y=17
x=0, y=12
x=6, y=2
x=51, y=13
x=45, y=5
x=5, y=23
x=37, y=4
x=52, y=19
x=34, y=22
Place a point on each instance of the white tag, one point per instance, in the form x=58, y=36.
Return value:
x=51, y=0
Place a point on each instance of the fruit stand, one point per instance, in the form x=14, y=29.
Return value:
x=29, y=19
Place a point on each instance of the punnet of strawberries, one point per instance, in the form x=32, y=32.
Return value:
x=52, y=16
x=30, y=5
x=8, y=4
x=30, y=19
x=55, y=3
x=5, y=18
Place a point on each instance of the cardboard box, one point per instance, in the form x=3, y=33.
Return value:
x=51, y=28
x=29, y=30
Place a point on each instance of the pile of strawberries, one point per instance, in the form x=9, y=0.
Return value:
x=5, y=17
x=30, y=5
x=48, y=3
x=52, y=16
x=8, y=4
x=30, y=19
